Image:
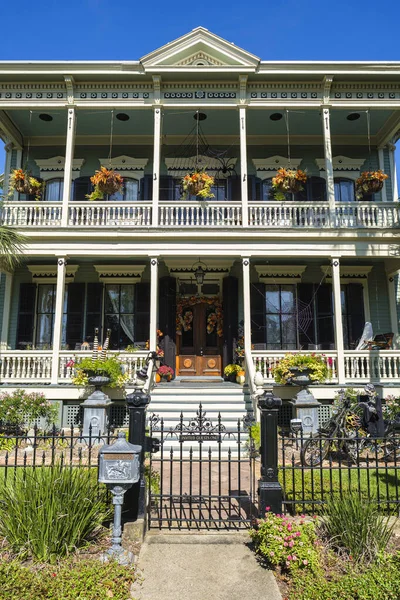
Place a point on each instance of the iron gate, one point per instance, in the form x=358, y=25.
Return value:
x=203, y=476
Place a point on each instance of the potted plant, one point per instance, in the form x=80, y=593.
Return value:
x=165, y=372
x=198, y=183
x=369, y=183
x=241, y=376
x=106, y=182
x=300, y=369
x=288, y=181
x=21, y=181
x=231, y=371
x=98, y=372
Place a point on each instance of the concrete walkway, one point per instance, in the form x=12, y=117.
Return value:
x=201, y=566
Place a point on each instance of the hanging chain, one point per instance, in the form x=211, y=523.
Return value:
x=287, y=134
x=111, y=138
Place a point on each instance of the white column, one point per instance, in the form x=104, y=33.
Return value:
x=156, y=164
x=6, y=310
x=381, y=160
x=7, y=168
x=243, y=166
x=69, y=157
x=394, y=322
x=330, y=185
x=153, y=303
x=338, y=324
x=58, y=317
x=246, y=305
x=393, y=171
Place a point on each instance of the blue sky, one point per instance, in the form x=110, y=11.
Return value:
x=127, y=30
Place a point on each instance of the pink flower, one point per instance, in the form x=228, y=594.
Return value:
x=267, y=508
x=297, y=534
x=285, y=544
x=290, y=557
x=70, y=363
x=294, y=557
x=272, y=553
x=287, y=563
x=302, y=516
x=291, y=544
x=305, y=562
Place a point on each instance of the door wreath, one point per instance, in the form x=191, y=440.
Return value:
x=215, y=319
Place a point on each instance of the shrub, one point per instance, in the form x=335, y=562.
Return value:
x=378, y=581
x=48, y=511
x=70, y=580
x=355, y=527
x=21, y=408
x=232, y=369
x=286, y=542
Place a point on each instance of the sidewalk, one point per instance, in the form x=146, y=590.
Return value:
x=201, y=566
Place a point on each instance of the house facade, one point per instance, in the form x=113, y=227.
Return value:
x=240, y=274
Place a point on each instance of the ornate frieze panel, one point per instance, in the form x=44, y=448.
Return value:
x=203, y=91
x=180, y=166
x=349, y=271
x=283, y=273
x=33, y=91
x=53, y=167
x=127, y=165
x=266, y=167
x=48, y=273
x=120, y=91
x=342, y=166
x=365, y=91
x=120, y=273
x=284, y=91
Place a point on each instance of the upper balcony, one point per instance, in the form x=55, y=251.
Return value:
x=241, y=150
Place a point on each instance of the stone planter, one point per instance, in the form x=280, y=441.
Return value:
x=300, y=377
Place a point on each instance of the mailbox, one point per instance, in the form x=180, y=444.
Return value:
x=119, y=463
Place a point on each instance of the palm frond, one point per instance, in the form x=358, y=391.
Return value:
x=12, y=247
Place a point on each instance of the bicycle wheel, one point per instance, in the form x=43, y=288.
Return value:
x=315, y=450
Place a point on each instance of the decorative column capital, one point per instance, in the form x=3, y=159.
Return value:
x=245, y=262
x=335, y=262
x=62, y=262
x=154, y=262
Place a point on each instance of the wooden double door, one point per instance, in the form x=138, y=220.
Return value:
x=198, y=349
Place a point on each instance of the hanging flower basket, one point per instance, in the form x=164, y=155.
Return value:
x=288, y=181
x=22, y=182
x=106, y=182
x=199, y=184
x=370, y=182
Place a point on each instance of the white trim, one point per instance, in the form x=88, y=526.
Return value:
x=48, y=273
x=280, y=273
x=267, y=167
x=51, y=168
x=127, y=165
x=181, y=166
x=243, y=167
x=343, y=166
x=58, y=317
x=120, y=273
x=156, y=165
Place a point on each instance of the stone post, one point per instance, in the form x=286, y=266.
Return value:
x=269, y=488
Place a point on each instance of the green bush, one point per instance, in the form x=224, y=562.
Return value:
x=355, y=527
x=110, y=367
x=380, y=581
x=46, y=512
x=21, y=408
x=70, y=580
x=286, y=542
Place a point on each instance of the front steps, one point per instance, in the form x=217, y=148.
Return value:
x=184, y=396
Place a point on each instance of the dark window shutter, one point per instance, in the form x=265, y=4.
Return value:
x=230, y=294
x=355, y=312
x=305, y=293
x=142, y=312
x=257, y=298
x=26, y=315
x=75, y=306
x=82, y=186
x=166, y=187
x=146, y=188
x=94, y=307
x=233, y=189
x=324, y=310
x=318, y=189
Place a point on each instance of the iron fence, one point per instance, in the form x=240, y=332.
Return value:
x=311, y=470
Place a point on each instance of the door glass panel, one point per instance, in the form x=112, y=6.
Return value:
x=273, y=332
x=187, y=336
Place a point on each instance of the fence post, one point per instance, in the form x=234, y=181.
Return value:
x=269, y=488
x=135, y=498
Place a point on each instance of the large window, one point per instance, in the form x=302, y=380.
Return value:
x=45, y=312
x=352, y=299
x=344, y=190
x=314, y=191
x=54, y=190
x=129, y=193
x=280, y=317
x=119, y=314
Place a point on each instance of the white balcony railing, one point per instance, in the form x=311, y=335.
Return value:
x=265, y=215
x=35, y=366
x=360, y=366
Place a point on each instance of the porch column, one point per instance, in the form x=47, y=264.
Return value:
x=338, y=324
x=394, y=322
x=381, y=161
x=156, y=164
x=6, y=310
x=7, y=168
x=153, y=303
x=393, y=172
x=243, y=166
x=57, y=331
x=246, y=306
x=330, y=186
x=69, y=157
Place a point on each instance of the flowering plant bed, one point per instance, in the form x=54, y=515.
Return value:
x=106, y=182
x=21, y=181
x=369, y=183
x=288, y=181
x=315, y=365
x=20, y=409
x=198, y=183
